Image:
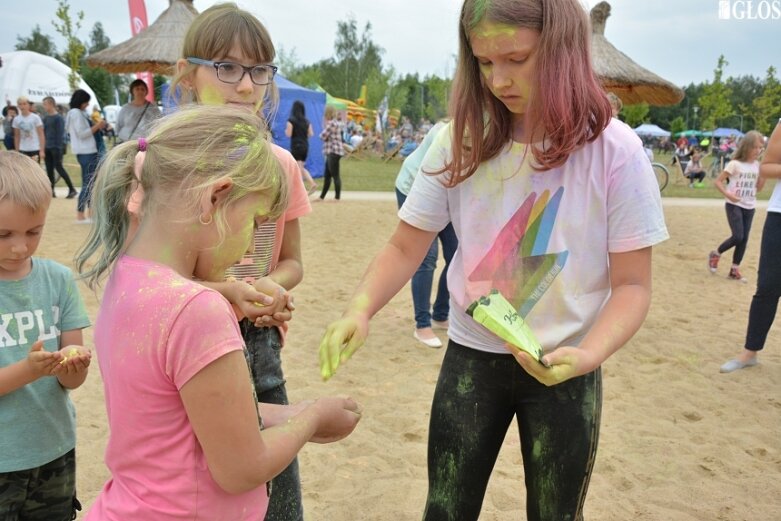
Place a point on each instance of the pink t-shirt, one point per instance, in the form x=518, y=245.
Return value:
x=155, y=330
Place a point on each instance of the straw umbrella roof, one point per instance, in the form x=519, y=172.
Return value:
x=620, y=74
x=154, y=49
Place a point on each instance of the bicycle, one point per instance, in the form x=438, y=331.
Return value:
x=662, y=175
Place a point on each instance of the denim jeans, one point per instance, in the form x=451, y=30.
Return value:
x=423, y=279
x=89, y=163
x=263, y=350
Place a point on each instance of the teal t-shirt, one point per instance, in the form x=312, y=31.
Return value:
x=38, y=420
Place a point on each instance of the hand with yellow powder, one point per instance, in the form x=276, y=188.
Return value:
x=342, y=338
x=75, y=360
x=42, y=362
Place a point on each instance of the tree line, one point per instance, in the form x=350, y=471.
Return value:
x=745, y=102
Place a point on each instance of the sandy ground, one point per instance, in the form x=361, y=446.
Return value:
x=680, y=442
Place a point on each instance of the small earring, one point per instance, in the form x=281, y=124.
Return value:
x=204, y=222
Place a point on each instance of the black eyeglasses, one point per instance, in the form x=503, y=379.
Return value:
x=229, y=72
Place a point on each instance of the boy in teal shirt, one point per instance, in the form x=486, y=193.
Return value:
x=41, y=355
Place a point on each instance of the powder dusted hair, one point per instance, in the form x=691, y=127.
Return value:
x=186, y=153
x=568, y=107
x=23, y=182
x=214, y=33
x=748, y=142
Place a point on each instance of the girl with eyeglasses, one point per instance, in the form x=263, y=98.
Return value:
x=238, y=71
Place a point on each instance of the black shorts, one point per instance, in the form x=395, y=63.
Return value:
x=299, y=151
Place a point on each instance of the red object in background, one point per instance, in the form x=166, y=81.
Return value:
x=137, y=24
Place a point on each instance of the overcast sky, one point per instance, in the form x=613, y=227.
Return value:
x=679, y=40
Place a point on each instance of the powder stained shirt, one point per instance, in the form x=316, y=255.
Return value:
x=155, y=331
x=541, y=238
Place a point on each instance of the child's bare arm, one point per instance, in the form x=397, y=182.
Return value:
x=771, y=163
x=620, y=318
x=71, y=371
x=37, y=364
x=219, y=404
x=393, y=267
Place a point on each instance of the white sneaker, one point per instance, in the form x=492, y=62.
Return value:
x=430, y=342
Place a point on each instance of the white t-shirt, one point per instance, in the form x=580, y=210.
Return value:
x=742, y=182
x=28, y=131
x=541, y=238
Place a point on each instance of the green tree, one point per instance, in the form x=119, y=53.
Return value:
x=68, y=26
x=635, y=115
x=37, y=42
x=98, y=39
x=355, y=57
x=715, y=102
x=765, y=109
x=677, y=125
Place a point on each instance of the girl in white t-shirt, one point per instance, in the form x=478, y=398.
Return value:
x=555, y=205
x=765, y=302
x=742, y=184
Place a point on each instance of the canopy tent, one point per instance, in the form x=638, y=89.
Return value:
x=619, y=74
x=725, y=132
x=36, y=76
x=155, y=49
x=648, y=130
x=689, y=133
x=314, y=105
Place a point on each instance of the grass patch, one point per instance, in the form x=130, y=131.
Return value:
x=372, y=174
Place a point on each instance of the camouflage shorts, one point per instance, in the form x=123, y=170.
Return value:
x=45, y=493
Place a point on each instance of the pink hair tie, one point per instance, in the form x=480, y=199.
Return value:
x=141, y=144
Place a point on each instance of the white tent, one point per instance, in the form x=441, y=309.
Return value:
x=648, y=130
x=27, y=73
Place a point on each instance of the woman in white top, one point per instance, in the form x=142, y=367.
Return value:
x=82, y=139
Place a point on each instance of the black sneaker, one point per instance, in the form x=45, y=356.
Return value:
x=72, y=194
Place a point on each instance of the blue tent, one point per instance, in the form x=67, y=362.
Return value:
x=726, y=132
x=314, y=104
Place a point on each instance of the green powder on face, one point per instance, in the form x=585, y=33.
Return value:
x=478, y=12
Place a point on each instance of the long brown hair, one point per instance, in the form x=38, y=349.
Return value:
x=746, y=144
x=567, y=103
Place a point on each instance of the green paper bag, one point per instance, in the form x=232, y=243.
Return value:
x=497, y=315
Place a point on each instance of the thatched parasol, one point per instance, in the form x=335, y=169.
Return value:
x=154, y=49
x=619, y=74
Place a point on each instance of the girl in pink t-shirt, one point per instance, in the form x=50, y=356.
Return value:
x=187, y=438
x=739, y=182
x=555, y=206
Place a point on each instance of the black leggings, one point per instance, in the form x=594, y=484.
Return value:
x=53, y=162
x=476, y=398
x=332, y=171
x=739, y=220
x=765, y=301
